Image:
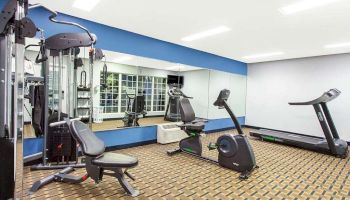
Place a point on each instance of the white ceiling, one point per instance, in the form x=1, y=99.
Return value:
x=257, y=27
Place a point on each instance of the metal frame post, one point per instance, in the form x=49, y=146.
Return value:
x=330, y=120
x=91, y=76
x=59, y=84
x=69, y=75
x=325, y=128
x=18, y=100
x=7, y=162
x=46, y=71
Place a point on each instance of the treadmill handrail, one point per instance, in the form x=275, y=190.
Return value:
x=326, y=97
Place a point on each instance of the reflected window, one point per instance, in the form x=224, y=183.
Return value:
x=53, y=88
x=159, y=94
x=145, y=87
x=128, y=84
x=109, y=95
x=114, y=98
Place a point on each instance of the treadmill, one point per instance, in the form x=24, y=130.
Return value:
x=331, y=144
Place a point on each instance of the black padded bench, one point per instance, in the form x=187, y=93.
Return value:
x=97, y=162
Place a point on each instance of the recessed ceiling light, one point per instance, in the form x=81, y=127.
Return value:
x=339, y=45
x=263, y=55
x=207, y=33
x=86, y=5
x=304, y=5
x=122, y=59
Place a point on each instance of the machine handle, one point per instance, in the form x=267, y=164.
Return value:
x=63, y=122
x=81, y=79
x=54, y=15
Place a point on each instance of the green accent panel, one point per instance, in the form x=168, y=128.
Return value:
x=268, y=138
x=188, y=150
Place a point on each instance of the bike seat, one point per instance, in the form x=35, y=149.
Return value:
x=197, y=126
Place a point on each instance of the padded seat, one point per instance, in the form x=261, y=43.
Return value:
x=197, y=127
x=113, y=160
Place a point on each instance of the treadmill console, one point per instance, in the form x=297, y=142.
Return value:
x=333, y=92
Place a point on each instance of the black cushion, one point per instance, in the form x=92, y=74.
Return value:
x=113, y=160
x=90, y=144
x=196, y=127
x=186, y=111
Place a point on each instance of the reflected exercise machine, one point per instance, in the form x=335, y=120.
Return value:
x=175, y=84
x=135, y=109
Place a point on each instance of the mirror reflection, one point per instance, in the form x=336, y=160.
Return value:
x=237, y=85
x=140, y=92
x=131, y=91
x=126, y=90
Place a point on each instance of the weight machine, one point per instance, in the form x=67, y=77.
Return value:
x=62, y=50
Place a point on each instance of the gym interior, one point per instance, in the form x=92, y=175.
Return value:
x=174, y=100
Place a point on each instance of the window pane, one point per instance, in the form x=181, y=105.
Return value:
x=109, y=95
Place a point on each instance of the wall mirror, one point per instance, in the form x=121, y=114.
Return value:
x=131, y=91
x=142, y=91
x=127, y=90
x=237, y=84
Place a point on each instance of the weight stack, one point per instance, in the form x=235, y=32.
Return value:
x=60, y=143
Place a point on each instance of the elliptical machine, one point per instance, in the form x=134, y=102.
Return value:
x=235, y=151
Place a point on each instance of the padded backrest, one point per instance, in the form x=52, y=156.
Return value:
x=186, y=111
x=90, y=144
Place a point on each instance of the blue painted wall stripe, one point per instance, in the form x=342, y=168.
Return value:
x=32, y=146
x=120, y=137
x=114, y=39
x=225, y=123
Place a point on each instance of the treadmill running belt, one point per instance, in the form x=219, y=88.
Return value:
x=289, y=136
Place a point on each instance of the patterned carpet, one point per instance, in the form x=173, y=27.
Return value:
x=285, y=172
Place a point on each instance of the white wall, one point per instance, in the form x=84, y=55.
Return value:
x=272, y=85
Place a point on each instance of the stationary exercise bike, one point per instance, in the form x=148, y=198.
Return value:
x=235, y=151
